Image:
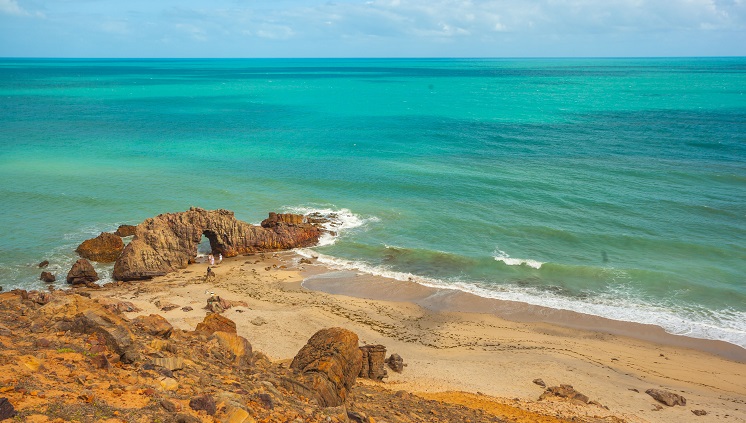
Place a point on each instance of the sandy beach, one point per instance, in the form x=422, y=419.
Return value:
x=487, y=356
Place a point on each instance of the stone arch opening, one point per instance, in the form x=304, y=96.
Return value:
x=212, y=239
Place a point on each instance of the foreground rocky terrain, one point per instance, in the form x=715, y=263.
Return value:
x=66, y=357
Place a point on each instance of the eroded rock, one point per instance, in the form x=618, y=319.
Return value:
x=328, y=365
x=169, y=241
x=374, y=358
x=666, y=397
x=564, y=391
x=47, y=277
x=103, y=248
x=125, y=230
x=395, y=362
x=216, y=323
x=82, y=273
x=154, y=325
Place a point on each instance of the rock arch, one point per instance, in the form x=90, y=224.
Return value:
x=169, y=241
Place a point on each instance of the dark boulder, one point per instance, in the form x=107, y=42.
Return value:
x=395, y=362
x=374, y=358
x=666, y=397
x=82, y=273
x=47, y=277
x=125, y=230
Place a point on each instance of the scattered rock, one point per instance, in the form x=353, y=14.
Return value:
x=396, y=363
x=117, y=306
x=104, y=248
x=258, y=321
x=186, y=418
x=6, y=409
x=47, y=277
x=165, y=305
x=216, y=304
x=216, y=323
x=328, y=365
x=154, y=325
x=125, y=230
x=82, y=273
x=374, y=357
x=540, y=383
x=43, y=264
x=100, y=361
x=168, y=405
x=168, y=241
x=564, y=391
x=170, y=363
x=187, y=308
x=203, y=402
x=666, y=397
x=699, y=412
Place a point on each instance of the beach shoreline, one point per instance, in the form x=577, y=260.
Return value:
x=448, y=349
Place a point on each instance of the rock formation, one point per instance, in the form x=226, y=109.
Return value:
x=82, y=273
x=328, y=365
x=374, y=357
x=666, y=397
x=47, y=277
x=125, y=230
x=169, y=241
x=104, y=248
x=396, y=363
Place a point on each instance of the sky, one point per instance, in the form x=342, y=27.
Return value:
x=372, y=28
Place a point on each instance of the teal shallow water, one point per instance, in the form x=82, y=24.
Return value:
x=615, y=187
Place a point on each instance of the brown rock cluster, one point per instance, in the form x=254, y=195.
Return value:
x=104, y=248
x=82, y=273
x=169, y=241
x=327, y=365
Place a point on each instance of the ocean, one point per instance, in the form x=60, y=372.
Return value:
x=614, y=187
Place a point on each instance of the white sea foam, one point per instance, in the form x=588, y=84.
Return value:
x=621, y=303
x=505, y=258
x=339, y=221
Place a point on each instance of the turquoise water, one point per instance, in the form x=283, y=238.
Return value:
x=615, y=187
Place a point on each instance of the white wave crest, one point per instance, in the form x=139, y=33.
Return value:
x=502, y=256
x=621, y=304
x=338, y=221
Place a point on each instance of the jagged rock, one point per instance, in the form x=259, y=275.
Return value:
x=117, y=306
x=396, y=363
x=83, y=315
x=374, y=358
x=170, y=363
x=165, y=305
x=169, y=241
x=154, y=325
x=305, y=261
x=564, y=391
x=39, y=297
x=82, y=273
x=216, y=304
x=100, y=361
x=43, y=264
x=6, y=409
x=216, y=323
x=540, y=383
x=203, y=402
x=104, y=248
x=328, y=365
x=666, y=397
x=699, y=412
x=168, y=405
x=237, y=346
x=47, y=277
x=125, y=230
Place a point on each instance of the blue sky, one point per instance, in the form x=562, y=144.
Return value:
x=372, y=28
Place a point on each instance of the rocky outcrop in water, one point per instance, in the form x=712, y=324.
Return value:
x=104, y=248
x=125, y=230
x=82, y=273
x=169, y=241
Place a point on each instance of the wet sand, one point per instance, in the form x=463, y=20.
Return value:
x=453, y=341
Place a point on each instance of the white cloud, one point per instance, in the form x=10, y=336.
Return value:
x=11, y=7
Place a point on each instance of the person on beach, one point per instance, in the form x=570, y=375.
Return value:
x=220, y=258
x=211, y=259
x=210, y=274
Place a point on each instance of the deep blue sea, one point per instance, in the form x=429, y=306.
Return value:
x=615, y=187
